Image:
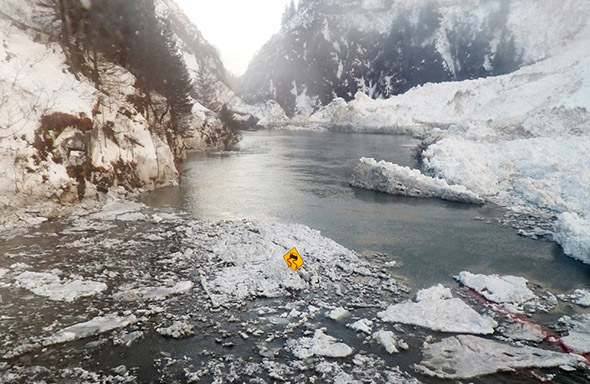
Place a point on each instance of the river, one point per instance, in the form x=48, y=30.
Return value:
x=142, y=272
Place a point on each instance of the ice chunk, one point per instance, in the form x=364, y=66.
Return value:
x=320, y=345
x=397, y=180
x=178, y=330
x=51, y=286
x=439, y=313
x=467, y=356
x=581, y=297
x=437, y=292
x=578, y=338
x=89, y=328
x=154, y=293
x=338, y=314
x=363, y=325
x=387, y=340
x=499, y=289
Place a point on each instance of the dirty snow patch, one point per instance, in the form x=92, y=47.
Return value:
x=439, y=314
x=467, y=356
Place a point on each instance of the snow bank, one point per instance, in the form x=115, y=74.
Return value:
x=572, y=231
x=438, y=311
x=319, y=345
x=498, y=289
x=398, y=180
x=519, y=140
x=50, y=285
x=466, y=356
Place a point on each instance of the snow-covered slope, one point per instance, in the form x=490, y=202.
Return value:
x=63, y=138
x=330, y=49
x=520, y=140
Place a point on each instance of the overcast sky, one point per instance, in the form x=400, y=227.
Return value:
x=238, y=28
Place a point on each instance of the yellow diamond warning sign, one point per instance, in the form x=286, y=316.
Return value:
x=294, y=261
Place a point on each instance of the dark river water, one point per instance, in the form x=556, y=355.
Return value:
x=303, y=177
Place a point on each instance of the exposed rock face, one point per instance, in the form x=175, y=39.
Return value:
x=76, y=124
x=330, y=49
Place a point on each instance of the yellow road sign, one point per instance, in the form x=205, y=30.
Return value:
x=294, y=261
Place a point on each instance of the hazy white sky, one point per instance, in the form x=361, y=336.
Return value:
x=237, y=27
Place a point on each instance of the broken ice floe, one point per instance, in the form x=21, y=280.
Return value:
x=50, y=285
x=319, y=345
x=398, y=180
x=578, y=338
x=437, y=310
x=154, y=293
x=467, y=356
x=580, y=297
x=95, y=326
x=498, y=289
x=178, y=330
x=362, y=325
x=387, y=340
x=338, y=314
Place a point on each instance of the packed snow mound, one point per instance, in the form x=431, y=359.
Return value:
x=498, y=289
x=438, y=311
x=398, y=180
x=466, y=356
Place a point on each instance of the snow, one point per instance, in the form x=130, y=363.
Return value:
x=439, y=312
x=467, y=356
x=578, y=338
x=95, y=326
x=319, y=345
x=498, y=289
x=50, y=285
x=572, y=231
x=398, y=180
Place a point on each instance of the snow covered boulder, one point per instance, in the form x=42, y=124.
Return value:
x=466, y=356
x=398, y=180
x=437, y=310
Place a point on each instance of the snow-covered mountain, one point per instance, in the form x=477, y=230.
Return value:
x=89, y=107
x=328, y=49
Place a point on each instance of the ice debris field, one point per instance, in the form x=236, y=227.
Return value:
x=147, y=293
